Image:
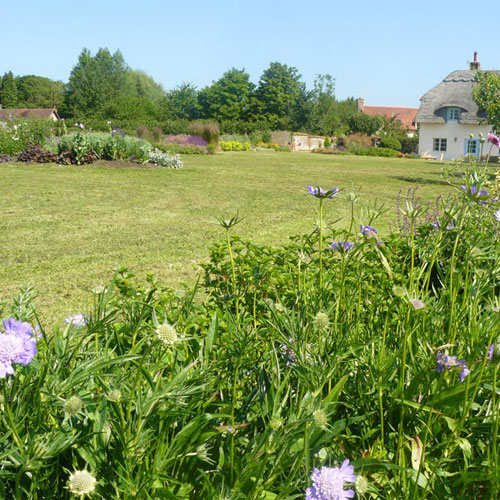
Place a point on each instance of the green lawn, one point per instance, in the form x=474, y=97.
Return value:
x=65, y=228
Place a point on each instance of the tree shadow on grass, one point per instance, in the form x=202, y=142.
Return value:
x=421, y=180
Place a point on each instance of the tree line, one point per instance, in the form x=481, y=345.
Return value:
x=103, y=87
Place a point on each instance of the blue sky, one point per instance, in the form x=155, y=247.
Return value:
x=389, y=53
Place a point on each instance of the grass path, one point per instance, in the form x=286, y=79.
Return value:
x=64, y=229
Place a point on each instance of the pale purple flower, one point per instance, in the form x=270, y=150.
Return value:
x=497, y=215
x=495, y=140
x=76, y=320
x=417, y=304
x=368, y=231
x=328, y=483
x=342, y=245
x=17, y=345
x=14, y=327
x=464, y=372
x=437, y=225
x=322, y=193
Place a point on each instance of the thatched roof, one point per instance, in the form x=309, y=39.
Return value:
x=12, y=114
x=454, y=91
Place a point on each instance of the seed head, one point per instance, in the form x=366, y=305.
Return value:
x=115, y=395
x=361, y=485
x=320, y=418
x=81, y=483
x=167, y=334
x=73, y=406
x=322, y=320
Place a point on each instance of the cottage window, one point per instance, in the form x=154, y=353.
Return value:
x=453, y=114
x=440, y=144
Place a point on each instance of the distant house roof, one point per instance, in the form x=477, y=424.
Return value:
x=456, y=90
x=406, y=116
x=11, y=114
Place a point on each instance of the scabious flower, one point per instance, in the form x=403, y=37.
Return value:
x=495, y=140
x=322, y=193
x=73, y=406
x=417, y=304
x=368, y=231
x=328, y=483
x=167, y=334
x=450, y=362
x=17, y=345
x=342, y=245
x=497, y=215
x=437, y=225
x=81, y=483
x=76, y=320
x=481, y=196
x=322, y=320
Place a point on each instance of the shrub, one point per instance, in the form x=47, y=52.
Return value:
x=235, y=146
x=184, y=139
x=164, y=159
x=390, y=143
x=209, y=131
x=359, y=140
x=184, y=149
x=386, y=152
x=211, y=149
x=327, y=142
x=107, y=146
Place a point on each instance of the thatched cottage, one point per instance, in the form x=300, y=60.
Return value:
x=448, y=116
x=13, y=114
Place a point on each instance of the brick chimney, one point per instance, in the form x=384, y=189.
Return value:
x=475, y=65
x=361, y=104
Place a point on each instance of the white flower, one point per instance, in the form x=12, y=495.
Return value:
x=497, y=215
x=81, y=483
x=167, y=334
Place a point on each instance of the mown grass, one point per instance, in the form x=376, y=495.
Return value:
x=64, y=229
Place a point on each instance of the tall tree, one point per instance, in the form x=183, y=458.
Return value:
x=8, y=92
x=181, y=103
x=39, y=92
x=280, y=96
x=95, y=81
x=487, y=96
x=145, y=87
x=228, y=98
x=322, y=105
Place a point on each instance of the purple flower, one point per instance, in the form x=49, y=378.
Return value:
x=495, y=140
x=14, y=327
x=76, y=320
x=473, y=194
x=342, y=245
x=328, y=483
x=492, y=352
x=437, y=225
x=368, y=231
x=450, y=362
x=17, y=345
x=497, y=215
x=321, y=193
x=464, y=372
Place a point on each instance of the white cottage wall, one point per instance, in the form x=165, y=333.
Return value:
x=455, y=133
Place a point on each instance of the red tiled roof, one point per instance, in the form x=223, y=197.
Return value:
x=9, y=114
x=406, y=116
